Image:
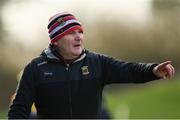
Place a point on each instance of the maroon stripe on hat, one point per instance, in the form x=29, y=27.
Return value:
x=53, y=26
x=65, y=33
x=64, y=29
x=53, y=21
x=69, y=18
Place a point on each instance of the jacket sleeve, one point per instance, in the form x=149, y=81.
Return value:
x=21, y=105
x=117, y=71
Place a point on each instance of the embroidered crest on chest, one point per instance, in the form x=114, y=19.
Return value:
x=85, y=70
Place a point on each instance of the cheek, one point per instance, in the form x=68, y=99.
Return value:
x=82, y=37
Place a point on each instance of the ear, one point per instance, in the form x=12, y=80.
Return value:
x=55, y=43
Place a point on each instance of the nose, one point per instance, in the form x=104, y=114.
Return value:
x=78, y=36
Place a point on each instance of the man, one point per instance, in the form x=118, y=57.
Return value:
x=66, y=80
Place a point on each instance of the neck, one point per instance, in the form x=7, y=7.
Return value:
x=68, y=57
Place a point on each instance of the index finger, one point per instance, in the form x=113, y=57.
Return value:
x=164, y=63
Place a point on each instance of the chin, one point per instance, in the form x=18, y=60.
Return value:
x=77, y=52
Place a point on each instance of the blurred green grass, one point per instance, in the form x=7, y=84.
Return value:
x=154, y=100
x=3, y=114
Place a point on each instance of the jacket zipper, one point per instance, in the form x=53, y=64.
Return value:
x=69, y=89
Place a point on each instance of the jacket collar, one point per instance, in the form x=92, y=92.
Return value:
x=49, y=54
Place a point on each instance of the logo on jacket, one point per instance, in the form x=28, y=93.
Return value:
x=48, y=73
x=85, y=70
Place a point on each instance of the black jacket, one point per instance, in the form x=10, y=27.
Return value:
x=74, y=91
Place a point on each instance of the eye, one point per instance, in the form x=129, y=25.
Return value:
x=73, y=32
x=80, y=31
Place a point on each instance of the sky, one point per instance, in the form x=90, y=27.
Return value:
x=26, y=21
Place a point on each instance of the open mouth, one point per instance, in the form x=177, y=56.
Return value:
x=77, y=45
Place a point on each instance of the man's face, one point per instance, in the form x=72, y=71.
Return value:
x=71, y=45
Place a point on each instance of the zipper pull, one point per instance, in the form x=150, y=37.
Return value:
x=67, y=66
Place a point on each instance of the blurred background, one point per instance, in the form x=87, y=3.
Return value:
x=131, y=30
